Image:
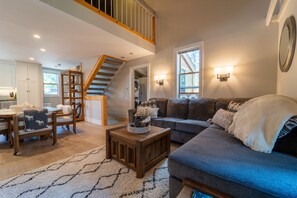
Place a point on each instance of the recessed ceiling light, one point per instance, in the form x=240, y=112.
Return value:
x=36, y=36
x=42, y=49
x=31, y=58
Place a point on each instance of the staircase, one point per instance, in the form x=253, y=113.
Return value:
x=102, y=74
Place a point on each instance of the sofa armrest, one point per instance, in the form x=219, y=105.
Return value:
x=131, y=113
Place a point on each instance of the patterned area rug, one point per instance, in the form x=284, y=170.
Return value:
x=87, y=175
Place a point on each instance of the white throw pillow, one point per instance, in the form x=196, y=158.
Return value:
x=223, y=118
x=66, y=109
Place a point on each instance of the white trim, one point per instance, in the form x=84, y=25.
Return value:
x=275, y=18
x=271, y=9
x=199, y=45
x=131, y=82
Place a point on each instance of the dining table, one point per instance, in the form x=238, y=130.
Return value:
x=7, y=115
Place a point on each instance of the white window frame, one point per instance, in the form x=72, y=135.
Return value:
x=198, y=45
x=59, y=83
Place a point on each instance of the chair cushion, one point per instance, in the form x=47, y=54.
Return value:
x=21, y=132
x=166, y=122
x=201, y=109
x=218, y=160
x=191, y=126
x=35, y=119
x=64, y=119
x=177, y=108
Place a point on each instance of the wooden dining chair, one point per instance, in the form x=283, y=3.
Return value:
x=20, y=131
x=5, y=129
x=67, y=118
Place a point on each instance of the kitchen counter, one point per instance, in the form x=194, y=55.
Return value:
x=4, y=100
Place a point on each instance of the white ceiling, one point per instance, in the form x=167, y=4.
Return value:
x=68, y=40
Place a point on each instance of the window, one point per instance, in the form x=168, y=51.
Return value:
x=50, y=84
x=188, y=72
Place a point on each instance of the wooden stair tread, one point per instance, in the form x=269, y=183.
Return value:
x=109, y=68
x=113, y=62
x=104, y=74
x=102, y=79
x=99, y=84
x=96, y=89
x=94, y=93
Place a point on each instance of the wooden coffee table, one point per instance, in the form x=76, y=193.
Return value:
x=139, y=152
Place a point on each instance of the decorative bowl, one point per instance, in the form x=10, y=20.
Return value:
x=138, y=130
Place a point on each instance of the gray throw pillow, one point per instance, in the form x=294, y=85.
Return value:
x=234, y=106
x=223, y=118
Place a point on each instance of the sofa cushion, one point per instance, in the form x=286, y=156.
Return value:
x=162, y=105
x=166, y=122
x=222, y=103
x=220, y=161
x=177, y=108
x=201, y=108
x=191, y=126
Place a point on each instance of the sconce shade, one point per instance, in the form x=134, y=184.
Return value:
x=223, y=73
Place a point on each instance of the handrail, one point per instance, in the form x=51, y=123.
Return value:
x=133, y=15
x=93, y=73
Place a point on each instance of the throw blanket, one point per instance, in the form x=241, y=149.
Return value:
x=259, y=121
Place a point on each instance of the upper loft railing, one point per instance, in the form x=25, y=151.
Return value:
x=133, y=15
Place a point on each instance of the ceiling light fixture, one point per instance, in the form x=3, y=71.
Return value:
x=36, y=36
x=42, y=49
x=31, y=58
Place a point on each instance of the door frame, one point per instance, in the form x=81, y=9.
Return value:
x=131, y=83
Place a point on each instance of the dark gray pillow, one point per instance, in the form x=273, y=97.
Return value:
x=288, y=143
x=201, y=108
x=35, y=120
x=288, y=126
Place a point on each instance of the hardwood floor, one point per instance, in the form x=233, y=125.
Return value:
x=37, y=153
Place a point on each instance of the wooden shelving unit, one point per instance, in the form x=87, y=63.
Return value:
x=72, y=91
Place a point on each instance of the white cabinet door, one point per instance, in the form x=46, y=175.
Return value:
x=33, y=93
x=29, y=83
x=7, y=74
x=22, y=91
x=21, y=71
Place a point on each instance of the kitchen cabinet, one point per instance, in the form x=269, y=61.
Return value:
x=7, y=74
x=29, y=83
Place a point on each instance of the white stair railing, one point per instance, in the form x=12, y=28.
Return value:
x=134, y=15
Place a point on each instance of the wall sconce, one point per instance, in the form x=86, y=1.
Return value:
x=160, y=79
x=223, y=73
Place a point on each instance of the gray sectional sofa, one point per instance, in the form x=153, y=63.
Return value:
x=213, y=157
x=186, y=118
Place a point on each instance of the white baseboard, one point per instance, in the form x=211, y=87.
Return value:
x=93, y=121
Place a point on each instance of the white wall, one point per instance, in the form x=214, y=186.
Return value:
x=286, y=81
x=233, y=32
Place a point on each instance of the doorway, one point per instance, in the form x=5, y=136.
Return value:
x=139, y=84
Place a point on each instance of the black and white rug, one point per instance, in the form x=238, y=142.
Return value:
x=87, y=175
